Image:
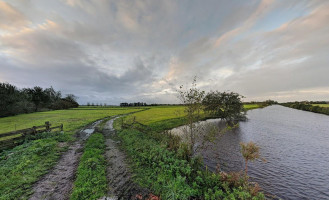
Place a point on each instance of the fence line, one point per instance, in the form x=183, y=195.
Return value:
x=21, y=134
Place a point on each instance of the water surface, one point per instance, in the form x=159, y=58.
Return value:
x=295, y=144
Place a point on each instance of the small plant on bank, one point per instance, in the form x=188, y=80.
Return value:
x=250, y=152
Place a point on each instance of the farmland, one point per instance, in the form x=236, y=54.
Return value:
x=156, y=114
x=321, y=105
x=25, y=164
x=22, y=166
x=72, y=119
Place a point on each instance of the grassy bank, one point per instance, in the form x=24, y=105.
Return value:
x=252, y=106
x=170, y=176
x=321, y=105
x=23, y=165
x=160, y=163
x=91, y=175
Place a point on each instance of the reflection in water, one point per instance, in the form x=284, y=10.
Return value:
x=85, y=133
x=295, y=144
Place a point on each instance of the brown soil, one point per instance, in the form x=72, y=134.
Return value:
x=58, y=183
x=121, y=185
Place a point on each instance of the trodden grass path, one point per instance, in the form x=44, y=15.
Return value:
x=22, y=166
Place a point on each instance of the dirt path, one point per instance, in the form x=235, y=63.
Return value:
x=58, y=183
x=119, y=176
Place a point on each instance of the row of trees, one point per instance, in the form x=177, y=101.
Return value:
x=96, y=104
x=263, y=103
x=16, y=101
x=132, y=104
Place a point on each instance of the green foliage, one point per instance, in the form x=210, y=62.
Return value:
x=172, y=177
x=224, y=105
x=13, y=101
x=156, y=167
x=91, y=174
x=23, y=165
x=16, y=101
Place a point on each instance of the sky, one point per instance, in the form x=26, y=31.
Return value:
x=109, y=51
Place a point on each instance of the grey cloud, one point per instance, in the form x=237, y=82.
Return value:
x=83, y=80
x=143, y=50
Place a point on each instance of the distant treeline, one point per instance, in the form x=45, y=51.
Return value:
x=133, y=104
x=262, y=103
x=97, y=104
x=145, y=104
x=307, y=106
x=15, y=101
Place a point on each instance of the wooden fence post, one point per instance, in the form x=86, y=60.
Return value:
x=47, y=126
x=34, y=129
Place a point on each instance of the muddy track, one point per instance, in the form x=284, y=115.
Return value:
x=121, y=185
x=58, y=183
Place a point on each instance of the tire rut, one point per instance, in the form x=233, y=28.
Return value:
x=120, y=182
x=58, y=183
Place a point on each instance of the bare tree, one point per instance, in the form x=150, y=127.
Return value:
x=192, y=100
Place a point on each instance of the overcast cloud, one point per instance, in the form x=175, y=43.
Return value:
x=112, y=51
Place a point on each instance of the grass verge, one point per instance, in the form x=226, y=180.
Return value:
x=91, y=175
x=23, y=165
x=171, y=177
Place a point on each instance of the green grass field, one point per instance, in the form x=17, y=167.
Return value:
x=23, y=165
x=251, y=106
x=157, y=114
x=72, y=119
x=321, y=105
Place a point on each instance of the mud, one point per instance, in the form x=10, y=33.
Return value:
x=58, y=183
x=121, y=185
